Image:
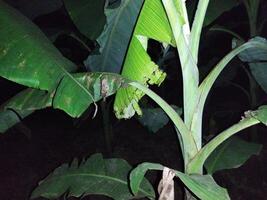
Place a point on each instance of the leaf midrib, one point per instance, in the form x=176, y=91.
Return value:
x=117, y=18
x=94, y=175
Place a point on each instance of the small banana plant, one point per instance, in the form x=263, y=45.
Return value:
x=28, y=58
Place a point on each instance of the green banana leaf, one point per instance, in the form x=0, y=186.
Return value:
x=74, y=99
x=35, y=8
x=115, y=38
x=257, y=61
x=152, y=23
x=232, y=153
x=203, y=186
x=28, y=57
x=87, y=15
x=75, y=93
x=95, y=175
x=155, y=118
x=22, y=105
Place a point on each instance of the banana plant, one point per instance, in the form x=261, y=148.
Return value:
x=28, y=58
x=189, y=130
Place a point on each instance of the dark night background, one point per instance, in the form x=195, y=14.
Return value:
x=46, y=139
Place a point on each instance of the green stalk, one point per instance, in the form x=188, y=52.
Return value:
x=197, y=27
x=178, y=19
x=208, y=82
x=188, y=144
x=197, y=163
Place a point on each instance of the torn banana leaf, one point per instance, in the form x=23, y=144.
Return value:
x=74, y=97
x=95, y=175
x=71, y=97
x=152, y=23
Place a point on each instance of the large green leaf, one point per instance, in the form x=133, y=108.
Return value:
x=115, y=38
x=74, y=97
x=87, y=15
x=95, y=175
x=233, y=153
x=257, y=60
x=152, y=23
x=35, y=8
x=203, y=186
x=155, y=118
x=22, y=105
x=26, y=55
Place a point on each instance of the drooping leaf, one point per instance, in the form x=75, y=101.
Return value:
x=22, y=105
x=26, y=55
x=35, y=8
x=87, y=15
x=115, y=38
x=74, y=97
x=152, y=23
x=257, y=61
x=203, y=186
x=232, y=153
x=155, y=118
x=95, y=175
